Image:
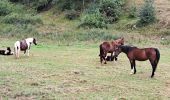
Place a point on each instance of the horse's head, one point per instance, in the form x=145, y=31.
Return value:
x=9, y=49
x=34, y=41
x=118, y=50
x=121, y=41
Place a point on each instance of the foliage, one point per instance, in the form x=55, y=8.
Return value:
x=111, y=9
x=100, y=14
x=72, y=14
x=36, y=4
x=5, y=8
x=133, y=11
x=147, y=13
x=95, y=20
x=15, y=18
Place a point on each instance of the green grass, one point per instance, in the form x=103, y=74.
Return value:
x=74, y=72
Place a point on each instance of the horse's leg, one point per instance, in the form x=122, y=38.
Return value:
x=28, y=52
x=101, y=59
x=104, y=57
x=112, y=57
x=18, y=51
x=153, y=67
x=134, y=63
x=25, y=52
x=131, y=63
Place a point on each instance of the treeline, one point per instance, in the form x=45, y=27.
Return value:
x=92, y=13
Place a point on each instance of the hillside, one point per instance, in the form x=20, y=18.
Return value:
x=65, y=63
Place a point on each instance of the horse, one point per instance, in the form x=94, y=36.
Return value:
x=140, y=54
x=109, y=47
x=23, y=45
x=6, y=52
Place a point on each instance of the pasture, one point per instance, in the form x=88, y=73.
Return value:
x=74, y=72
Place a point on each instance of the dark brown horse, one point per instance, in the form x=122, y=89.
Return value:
x=134, y=53
x=109, y=47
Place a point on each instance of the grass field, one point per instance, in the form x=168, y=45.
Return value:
x=74, y=72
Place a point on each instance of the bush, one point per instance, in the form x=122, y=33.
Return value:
x=133, y=11
x=147, y=13
x=100, y=14
x=72, y=14
x=111, y=9
x=91, y=20
x=36, y=4
x=5, y=8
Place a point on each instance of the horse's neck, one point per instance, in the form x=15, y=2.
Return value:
x=125, y=50
x=29, y=41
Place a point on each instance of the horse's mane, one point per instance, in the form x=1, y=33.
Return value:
x=127, y=48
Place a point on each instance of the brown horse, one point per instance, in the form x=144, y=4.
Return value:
x=134, y=53
x=109, y=47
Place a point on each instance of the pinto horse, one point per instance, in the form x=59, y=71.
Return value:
x=23, y=45
x=134, y=53
x=109, y=47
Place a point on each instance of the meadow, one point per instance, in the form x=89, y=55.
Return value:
x=74, y=72
x=65, y=64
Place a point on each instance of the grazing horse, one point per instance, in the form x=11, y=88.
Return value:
x=109, y=47
x=134, y=53
x=6, y=52
x=23, y=45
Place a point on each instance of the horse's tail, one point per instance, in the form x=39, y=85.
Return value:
x=101, y=53
x=157, y=56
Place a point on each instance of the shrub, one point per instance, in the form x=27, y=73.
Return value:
x=111, y=9
x=95, y=20
x=72, y=14
x=5, y=8
x=147, y=13
x=133, y=11
x=36, y=4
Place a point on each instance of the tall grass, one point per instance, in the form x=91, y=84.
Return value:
x=93, y=36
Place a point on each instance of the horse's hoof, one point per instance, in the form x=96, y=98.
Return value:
x=105, y=63
x=152, y=76
x=132, y=72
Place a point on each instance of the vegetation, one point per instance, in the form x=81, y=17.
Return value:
x=65, y=63
x=147, y=13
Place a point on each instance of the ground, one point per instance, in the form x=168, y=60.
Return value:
x=74, y=72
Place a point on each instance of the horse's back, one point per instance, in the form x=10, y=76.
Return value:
x=23, y=45
x=142, y=54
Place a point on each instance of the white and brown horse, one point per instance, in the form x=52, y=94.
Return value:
x=23, y=45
